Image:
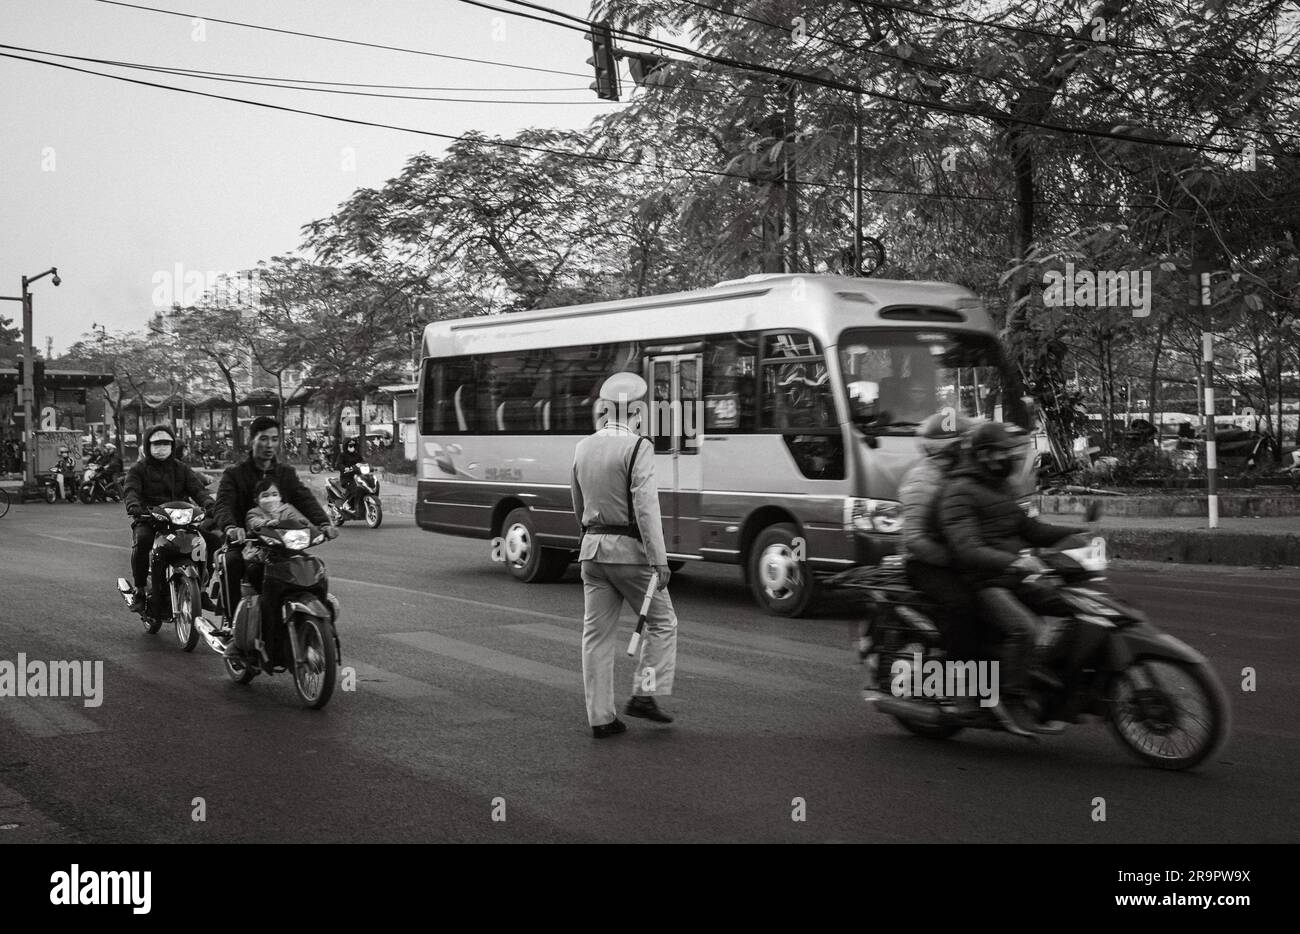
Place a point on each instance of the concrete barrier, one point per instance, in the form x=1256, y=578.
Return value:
x=1250, y=505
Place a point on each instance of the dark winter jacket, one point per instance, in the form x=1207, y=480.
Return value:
x=919, y=494
x=151, y=482
x=235, y=493
x=111, y=464
x=985, y=527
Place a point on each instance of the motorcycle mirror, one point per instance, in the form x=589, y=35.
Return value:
x=1094, y=511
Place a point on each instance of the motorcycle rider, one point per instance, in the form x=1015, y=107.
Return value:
x=110, y=463
x=986, y=529
x=349, y=457
x=236, y=496
x=64, y=468
x=156, y=478
x=930, y=563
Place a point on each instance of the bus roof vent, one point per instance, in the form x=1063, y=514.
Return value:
x=918, y=313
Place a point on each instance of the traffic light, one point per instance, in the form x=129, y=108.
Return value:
x=641, y=65
x=602, y=59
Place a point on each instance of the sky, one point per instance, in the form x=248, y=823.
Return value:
x=118, y=185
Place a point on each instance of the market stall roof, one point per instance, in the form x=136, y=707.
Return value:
x=260, y=397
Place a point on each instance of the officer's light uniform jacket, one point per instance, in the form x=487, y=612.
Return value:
x=599, y=487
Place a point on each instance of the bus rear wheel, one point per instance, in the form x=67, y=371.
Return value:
x=525, y=559
x=781, y=585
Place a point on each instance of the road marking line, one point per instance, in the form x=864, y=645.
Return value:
x=689, y=665
x=758, y=642
x=564, y=679
x=450, y=706
x=45, y=717
x=81, y=541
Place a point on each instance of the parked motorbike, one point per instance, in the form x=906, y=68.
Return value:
x=361, y=502
x=323, y=461
x=176, y=563
x=305, y=639
x=49, y=484
x=1098, y=657
x=95, y=487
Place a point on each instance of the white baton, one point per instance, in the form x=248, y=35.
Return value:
x=645, y=608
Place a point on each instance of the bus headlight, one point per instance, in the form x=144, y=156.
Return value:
x=872, y=515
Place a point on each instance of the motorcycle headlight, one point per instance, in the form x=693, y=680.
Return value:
x=1030, y=507
x=297, y=539
x=363, y=468
x=180, y=516
x=872, y=515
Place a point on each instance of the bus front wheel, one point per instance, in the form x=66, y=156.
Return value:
x=782, y=585
x=525, y=559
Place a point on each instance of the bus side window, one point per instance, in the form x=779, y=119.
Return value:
x=449, y=396
x=729, y=365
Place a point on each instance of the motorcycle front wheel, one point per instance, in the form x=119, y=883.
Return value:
x=87, y=493
x=374, y=512
x=51, y=495
x=1169, y=714
x=315, y=467
x=315, y=676
x=188, y=605
x=238, y=672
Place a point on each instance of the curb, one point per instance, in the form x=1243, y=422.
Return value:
x=1203, y=546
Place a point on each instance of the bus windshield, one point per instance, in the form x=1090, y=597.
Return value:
x=896, y=378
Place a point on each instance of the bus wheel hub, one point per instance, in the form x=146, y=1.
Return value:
x=777, y=570
x=517, y=544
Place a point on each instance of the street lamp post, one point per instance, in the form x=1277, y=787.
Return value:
x=29, y=376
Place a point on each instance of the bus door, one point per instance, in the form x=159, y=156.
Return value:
x=676, y=425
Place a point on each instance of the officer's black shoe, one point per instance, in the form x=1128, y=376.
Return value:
x=609, y=729
x=646, y=709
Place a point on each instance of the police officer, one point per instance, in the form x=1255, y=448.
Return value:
x=616, y=501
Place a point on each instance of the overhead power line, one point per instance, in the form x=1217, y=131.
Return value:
x=268, y=83
x=588, y=157
x=357, y=42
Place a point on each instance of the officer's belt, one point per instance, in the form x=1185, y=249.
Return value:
x=631, y=531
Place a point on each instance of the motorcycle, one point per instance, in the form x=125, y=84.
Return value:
x=1096, y=657
x=96, y=488
x=49, y=484
x=305, y=641
x=361, y=502
x=176, y=562
x=322, y=461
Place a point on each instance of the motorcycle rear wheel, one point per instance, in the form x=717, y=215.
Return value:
x=314, y=681
x=1143, y=717
x=929, y=731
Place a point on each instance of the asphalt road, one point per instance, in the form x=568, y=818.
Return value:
x=469, y=702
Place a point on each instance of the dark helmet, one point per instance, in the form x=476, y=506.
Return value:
x=993, y=446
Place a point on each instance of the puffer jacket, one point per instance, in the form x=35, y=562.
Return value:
x=919, y=494
x=985, y=528
x=151, y=482
x=235, y=493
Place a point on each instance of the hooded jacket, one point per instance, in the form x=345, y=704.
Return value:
x=919, y=494
x=151, y=482
x=235, y=493
x=984, y=526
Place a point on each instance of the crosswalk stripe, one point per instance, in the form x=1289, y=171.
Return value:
x=46, y=716
x=691, y=665
x=491, y=659
x=447, y=707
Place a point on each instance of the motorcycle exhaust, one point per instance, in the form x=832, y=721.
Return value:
x=923, y=712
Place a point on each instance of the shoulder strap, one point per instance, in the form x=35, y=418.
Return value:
x=631, y=513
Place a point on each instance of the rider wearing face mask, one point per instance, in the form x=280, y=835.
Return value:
x=985, y=529
x=157, y=477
